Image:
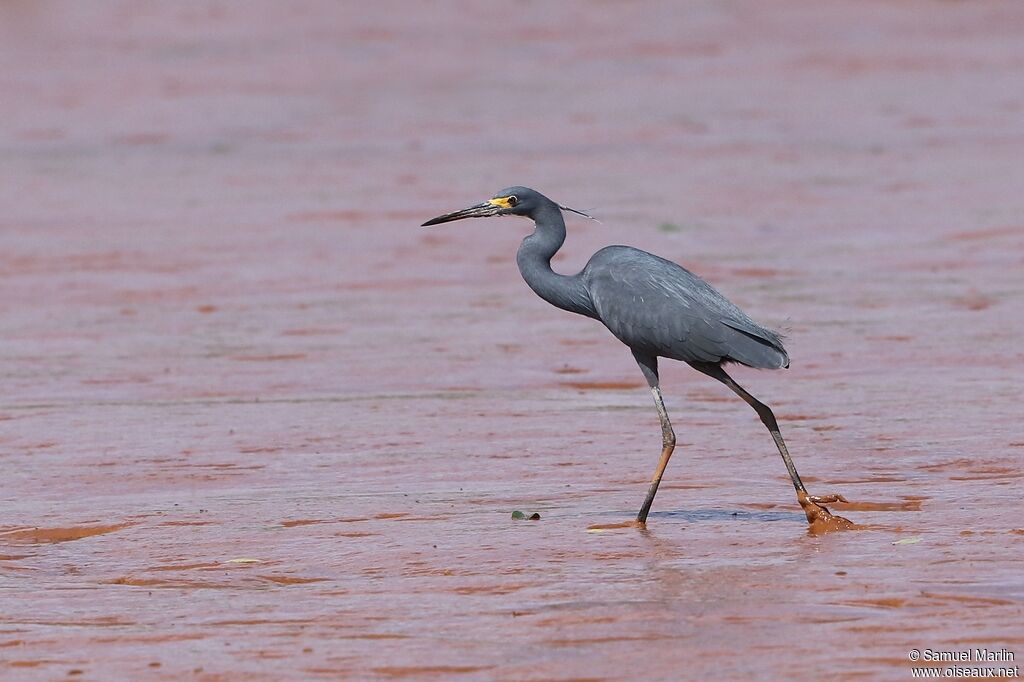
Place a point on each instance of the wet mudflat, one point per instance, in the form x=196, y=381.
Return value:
x=256, y=424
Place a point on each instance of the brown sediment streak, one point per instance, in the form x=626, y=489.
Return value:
x=503, y=588
x=160, y=582
x=415, y=671
x=30, y=663
x=632, y=523
x=907, y=506
x=987, y=477
x=291, y=580
x=38, y=536
x=262, y=621
x=821, y=520
x=578, y=342
x=573, y=642
x=988, y=234
x=967, y=599
x=186, y=567
x=300, y=522
x=881, y=602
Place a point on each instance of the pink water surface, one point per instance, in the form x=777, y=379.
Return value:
x=256, y=424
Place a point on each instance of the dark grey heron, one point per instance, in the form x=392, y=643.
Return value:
x=658, y=309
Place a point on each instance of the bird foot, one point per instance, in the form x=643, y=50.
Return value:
x=819, y=518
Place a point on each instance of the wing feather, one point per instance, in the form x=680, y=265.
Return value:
x=658, y=307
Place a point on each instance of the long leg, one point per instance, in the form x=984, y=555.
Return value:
x=764, y=412
x=811, y=505
x=649, y=366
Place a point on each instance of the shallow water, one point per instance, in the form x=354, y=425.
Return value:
x=256, y=423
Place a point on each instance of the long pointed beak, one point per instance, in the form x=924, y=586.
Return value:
x=483, y=210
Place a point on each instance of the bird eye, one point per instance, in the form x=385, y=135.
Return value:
x=513, y=200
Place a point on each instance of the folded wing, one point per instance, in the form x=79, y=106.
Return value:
x=658, y=307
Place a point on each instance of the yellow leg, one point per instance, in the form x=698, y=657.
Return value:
x=668, y=444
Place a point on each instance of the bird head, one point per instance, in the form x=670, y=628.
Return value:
x=521, y=201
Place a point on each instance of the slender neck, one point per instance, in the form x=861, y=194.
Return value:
x=534, y=258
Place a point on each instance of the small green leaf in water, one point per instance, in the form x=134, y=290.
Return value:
x=520, y=516
x=908, y=541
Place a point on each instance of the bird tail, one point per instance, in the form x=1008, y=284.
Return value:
x=755, y=346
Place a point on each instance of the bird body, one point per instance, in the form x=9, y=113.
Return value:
x=660, y=308
x=651, y=304
x=655, y=307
